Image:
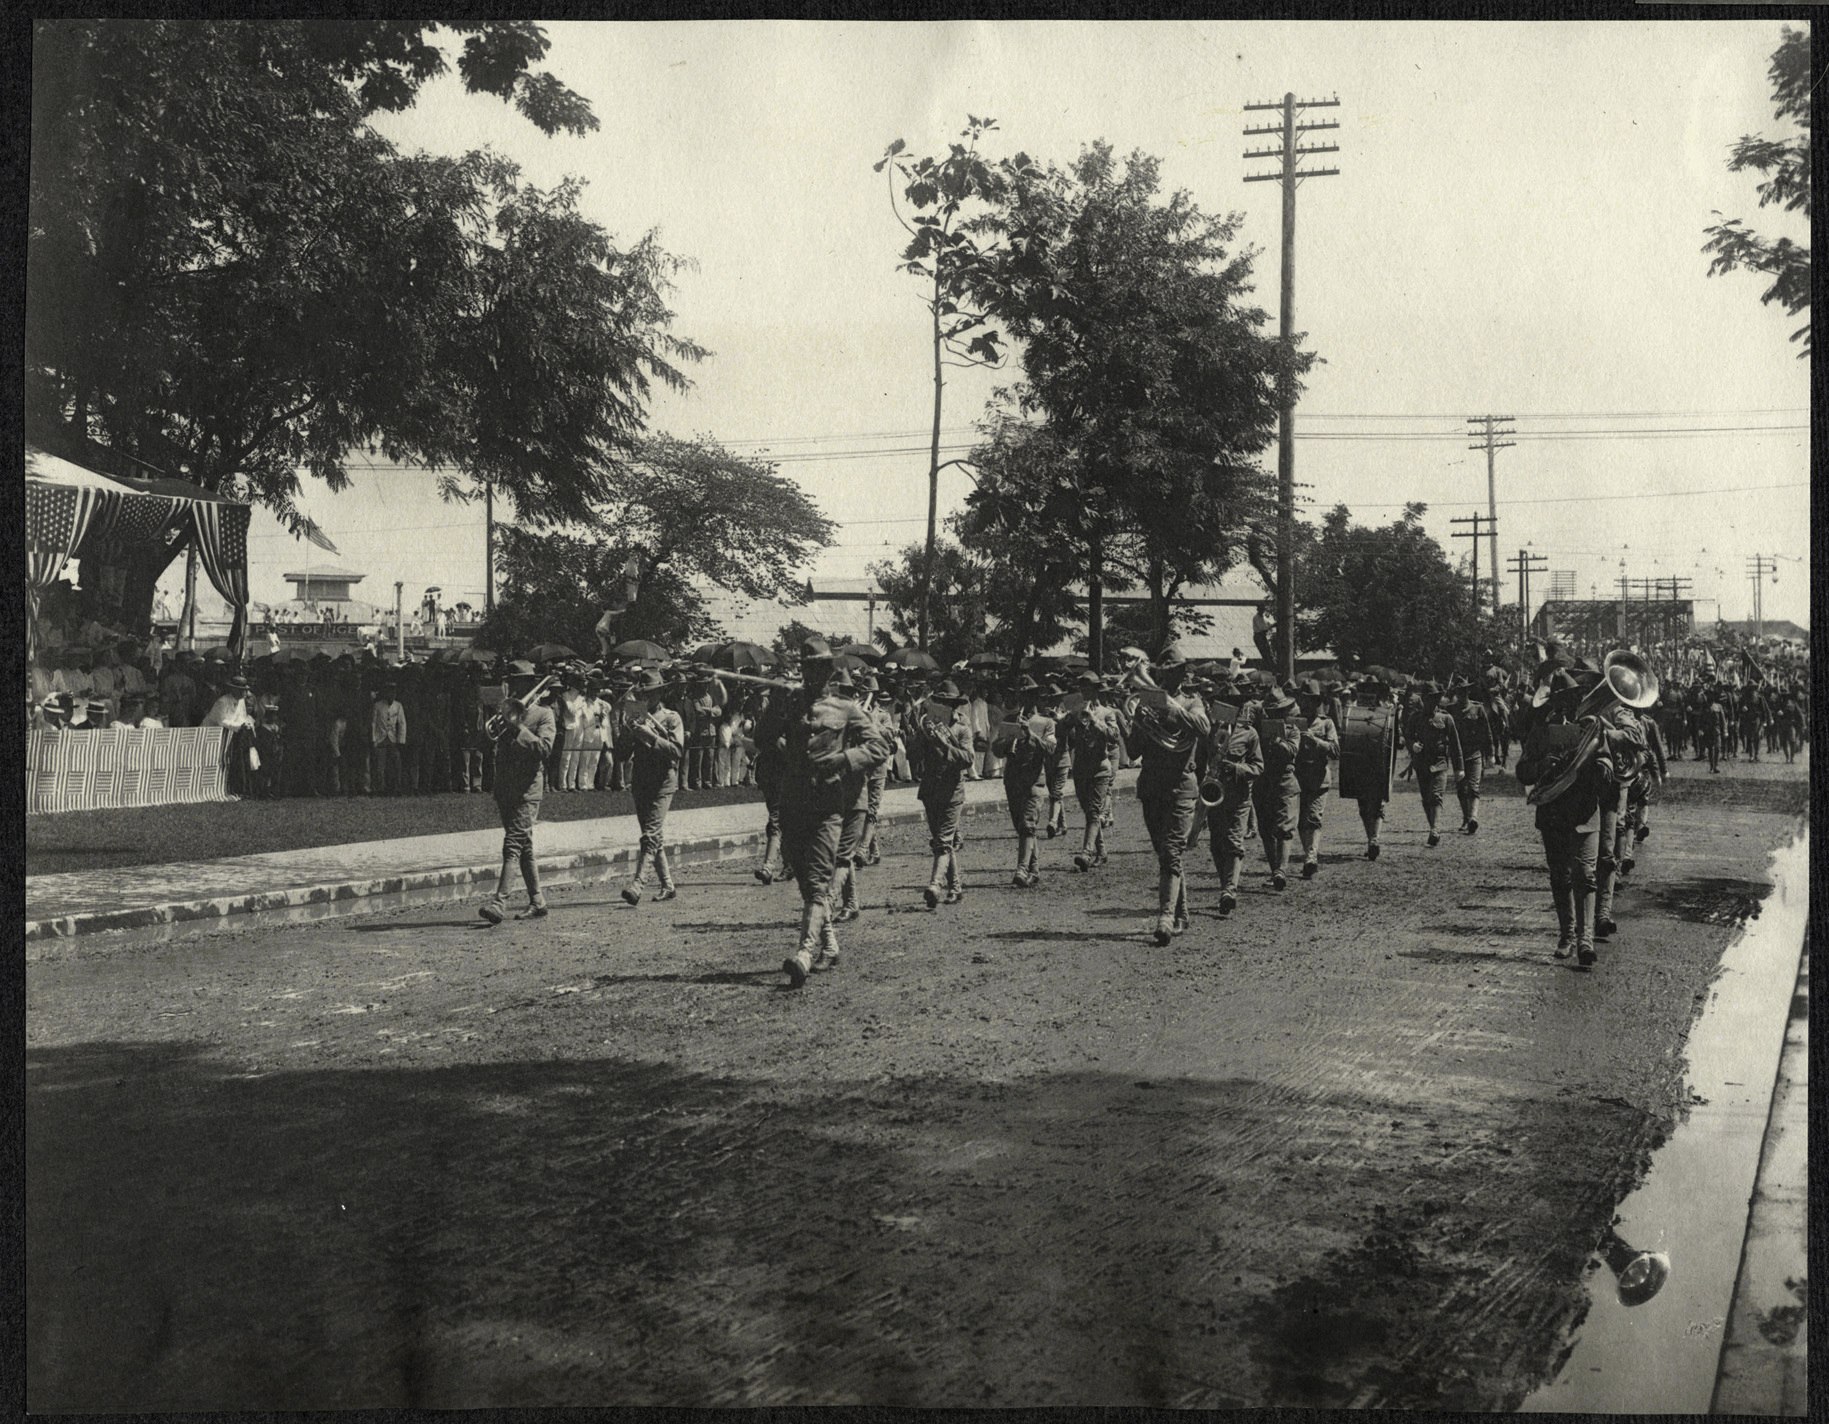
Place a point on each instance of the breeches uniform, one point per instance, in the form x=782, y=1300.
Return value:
x=1473, y=775
x=1228, y=832
x=1168, y=815
x=1092, y=786
x=1313, y=806
x=1571, y=852
x=1606, y=851
x=943, y=815
x=812, y=829
x=1276, y=816
x=519, y=817
x=1371, y=816
x=1025, y=804
x=1433, y=786
x=878, y=780
x=653, y=799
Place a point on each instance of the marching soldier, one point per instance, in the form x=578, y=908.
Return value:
x=1316, y=752
x=1635, y=825
x=1626, y=753
x=1276, y=792
x=771, y=747
x=1168, y=731
x=1435, y=749
x=1234, y=760
x=1092, y=736
x=1060, y=765
x=947, y=753
x=1473, y=727
x=1027, y=747
x=660, y=744
x=523, y=742
x=855, y=828
x=1372, y=692
x=832, y=745
x=877, y=707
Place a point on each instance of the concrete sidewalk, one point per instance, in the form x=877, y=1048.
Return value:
x=336, y=879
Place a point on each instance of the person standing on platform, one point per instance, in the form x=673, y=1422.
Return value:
x=1473, y=727
x=1168, y=729
x=946, y=742
x=1435, y=750
x=1025, y=746
x=659, y=738
x=832, y=746
x=1317, y=749
x=522, y=747
x=1263, y=635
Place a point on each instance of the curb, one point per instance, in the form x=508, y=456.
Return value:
x=346, y=897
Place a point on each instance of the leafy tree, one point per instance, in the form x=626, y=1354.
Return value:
x=690, y=514
x=946, y=198
x=1786, y=164
x=234, y=278
x=1144, y=362
x=959, y=607
x=1388, y=595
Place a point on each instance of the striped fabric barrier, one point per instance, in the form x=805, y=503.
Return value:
x=123, y=766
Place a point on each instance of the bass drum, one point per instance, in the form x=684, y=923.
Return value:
x=1368, y=753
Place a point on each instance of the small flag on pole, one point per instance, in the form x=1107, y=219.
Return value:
x=317, y=536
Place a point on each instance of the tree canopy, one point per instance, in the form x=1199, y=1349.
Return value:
x=690, y=514
x=232, y=277
x=1388, y=595
x=1786, y=164
x=1144, y=361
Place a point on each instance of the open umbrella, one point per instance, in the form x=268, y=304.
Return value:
x=549, y=653
x=474, y=654
x=641, y=648
x=912, y=657
x=987, y=660
x=869, y=652
x=848, y=660
x=742, y=657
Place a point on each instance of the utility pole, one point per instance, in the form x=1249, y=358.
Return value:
x=1475, y=534
x=1289, y=175
x=1757, y=568
x=1524, y=565
x=1489, y=442
x=190, y=595
x=399, y=623
x=488, y=549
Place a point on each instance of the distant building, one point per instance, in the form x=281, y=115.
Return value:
x=1589, y=623
x=324, y=585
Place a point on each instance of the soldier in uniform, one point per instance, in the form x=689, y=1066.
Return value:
x=1234, y=759
x=946, y=756
x=1276, y=792
x=771, y=746
x=1059, y=766
x=876, y=705
x=1626, y=749
x=832, y=746
x=1435, y=749
x=660, y=744
x=1317, y=750
x=854, y=830
x=1091, y=736
x=1026, y=747
x=1473, y=727
x=1372, y=692
x=522, y=746
x=1635, y=825
x=1168, y=730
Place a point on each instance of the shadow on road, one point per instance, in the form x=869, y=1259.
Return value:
x=591, y=1232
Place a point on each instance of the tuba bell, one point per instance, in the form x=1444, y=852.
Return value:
x=1625, y=678
x=1211, y=792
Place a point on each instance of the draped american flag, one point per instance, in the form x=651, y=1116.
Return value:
x=222, y=548
x=132, y=518
x=56, y=519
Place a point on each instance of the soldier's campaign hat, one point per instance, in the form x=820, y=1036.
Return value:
x=948, y=691
x=815, y=648
x=841, y=680
x=1430, y=688
x=1279, y=704
x=1309, y=687
x=650, y=681
x=238, y=683
x=1025, y=683
x=1170, y=657
x=520, y=668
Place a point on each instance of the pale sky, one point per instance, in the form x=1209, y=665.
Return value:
x=1516, y=229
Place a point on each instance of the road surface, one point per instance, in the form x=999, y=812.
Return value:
x=1351, y=1147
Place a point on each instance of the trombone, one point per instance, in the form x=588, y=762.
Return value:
x=498, y=721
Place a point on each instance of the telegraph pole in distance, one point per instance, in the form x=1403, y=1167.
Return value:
x=1489, y=442
x=1288, y=175
x=1757, y=568
x=1475, y=534
x=1524, y=565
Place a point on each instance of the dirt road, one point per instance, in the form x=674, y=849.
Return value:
x=1350, y=1147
